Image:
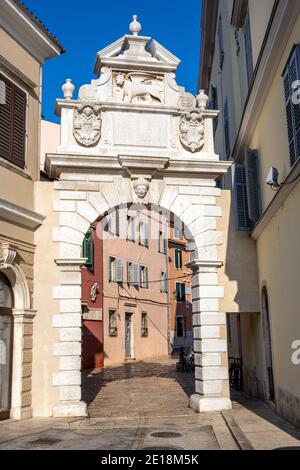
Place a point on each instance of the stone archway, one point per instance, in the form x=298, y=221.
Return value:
x=133, y=135
x=209, y=324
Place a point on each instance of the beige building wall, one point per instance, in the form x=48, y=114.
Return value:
x=47, y=275
x=124, y=298
x=50, y=140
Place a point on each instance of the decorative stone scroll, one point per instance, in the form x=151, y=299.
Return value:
x=191, y=130
x=87, y=125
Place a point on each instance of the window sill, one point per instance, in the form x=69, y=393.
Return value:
x=12, y=167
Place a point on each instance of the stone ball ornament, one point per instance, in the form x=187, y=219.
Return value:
x=141, y=187
x=135, y=27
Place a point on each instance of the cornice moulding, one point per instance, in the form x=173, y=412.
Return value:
x=14, y=213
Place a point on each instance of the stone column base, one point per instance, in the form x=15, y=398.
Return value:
x=74, y=409
x=201, y=404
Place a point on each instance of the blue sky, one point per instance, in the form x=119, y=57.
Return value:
x=85, y=27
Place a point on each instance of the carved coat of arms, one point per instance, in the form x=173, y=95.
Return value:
x=191, y=130
x=87, y=125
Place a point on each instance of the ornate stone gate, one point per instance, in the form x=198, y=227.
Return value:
x=135, y=136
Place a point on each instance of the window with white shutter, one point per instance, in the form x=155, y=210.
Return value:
x=290, y=75
x=12, y=122
x=115, y=269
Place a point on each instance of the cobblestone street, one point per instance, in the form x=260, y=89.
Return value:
x=139, y=389
x=144, y=405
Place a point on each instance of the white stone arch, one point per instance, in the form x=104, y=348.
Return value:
x=22, y=314
x=196, y=205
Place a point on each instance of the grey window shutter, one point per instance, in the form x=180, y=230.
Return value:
x=146, y=237
x=128, y=269
x=119, y=273
x=109, y=269
x=135, y=277
x=290, y=75
x=146, y=278
x=252, y=184
x=240, y=198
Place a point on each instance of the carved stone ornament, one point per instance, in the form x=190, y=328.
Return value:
x=94, y=292
x=87, y=125
x=141, y=187
x=138, y=88
x=191, y=130
x=7, y=254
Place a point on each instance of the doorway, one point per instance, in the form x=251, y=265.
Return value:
x=128, y=335
x=268, y=344
x=6, y=342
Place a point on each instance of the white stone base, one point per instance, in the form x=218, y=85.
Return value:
x=201, y=404
x=74, y=409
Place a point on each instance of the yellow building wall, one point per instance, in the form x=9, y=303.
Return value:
x=260, y=14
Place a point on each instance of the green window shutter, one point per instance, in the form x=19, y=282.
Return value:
x=252, y=184
x=240, y=199
x=119, y=270
x=178, y=258
x=88, y=249
x=178, y=292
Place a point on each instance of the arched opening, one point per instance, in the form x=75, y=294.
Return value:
x=268, y=344
x=136, y=299
x=6, y=340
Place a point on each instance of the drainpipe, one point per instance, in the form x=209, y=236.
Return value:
x=168, y=297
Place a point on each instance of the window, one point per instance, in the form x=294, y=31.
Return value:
x=144, y=324
x=143, y=277
x=163, y=282
x=130, y=228
x=214, y=105
x=179, y=327
x=143, y=234
x=180, y=292
x=112, y=323
x=88, y=249
x=114, y=222
x=290, y=75
x=220, y=41
x=178, y=258
x=132, y=274
x=115, y=269
x=226, y=130
x=248, y=49
x=162, y=242
x=12, y=122
x=178, y=233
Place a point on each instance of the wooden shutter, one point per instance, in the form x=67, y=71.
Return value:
x=248, y=49
x=135, y=275
x=146, y=283
x=88, y=249
x=290, y=75
x=252, y=185
x=128, y=271
x=110, y=262
x=12, y=123
x=240, y=196
x=119, y=270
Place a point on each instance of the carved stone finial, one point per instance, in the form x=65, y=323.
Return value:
x=141, y=187
x=202, y=100
x=135, y=27
x=68, y=89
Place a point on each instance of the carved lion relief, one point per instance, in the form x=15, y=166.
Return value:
x=137, y=88
x=191, y=130
x=87, y=125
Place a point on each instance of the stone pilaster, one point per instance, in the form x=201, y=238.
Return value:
x=22, y=364
x=68, y=349
x=210, y=342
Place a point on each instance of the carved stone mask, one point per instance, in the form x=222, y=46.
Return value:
x=141, y=187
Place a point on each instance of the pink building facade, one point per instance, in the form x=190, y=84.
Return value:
x=135, y=309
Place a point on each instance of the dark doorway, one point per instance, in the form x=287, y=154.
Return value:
x=268, y=344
